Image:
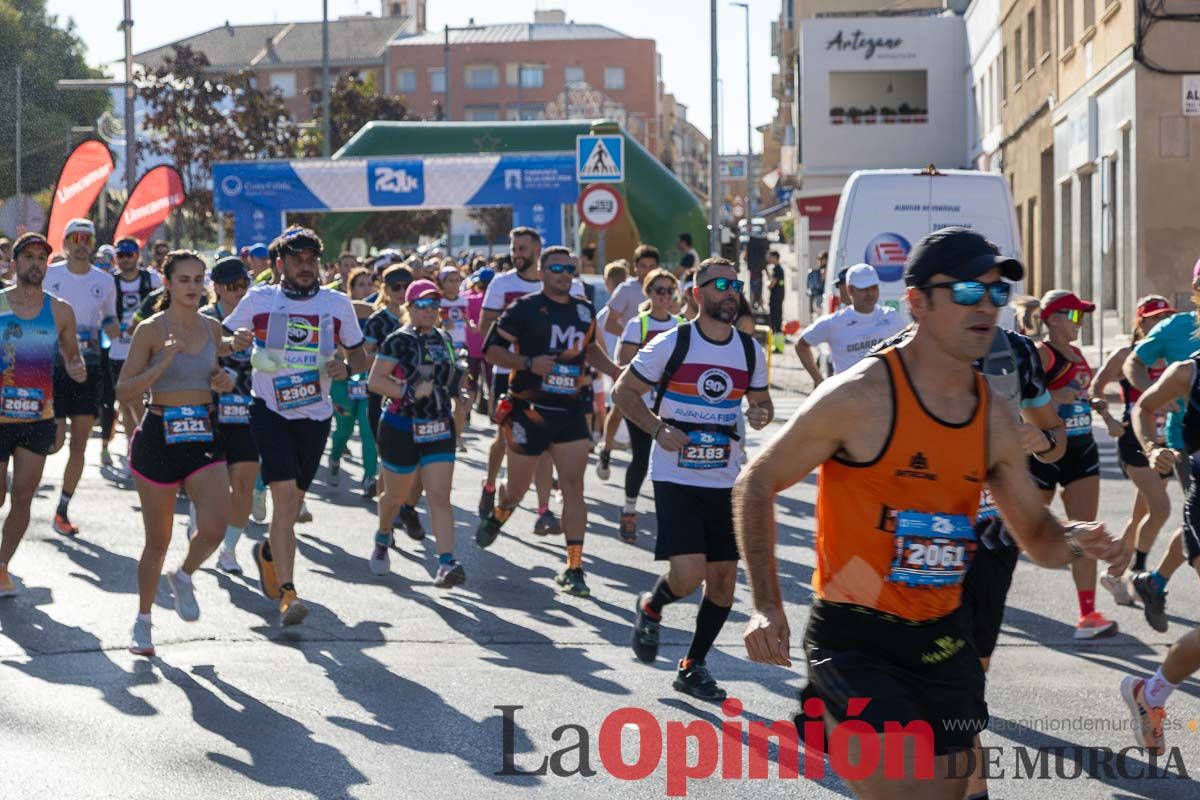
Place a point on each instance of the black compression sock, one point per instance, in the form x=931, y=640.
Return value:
x=660, y=596
x=287, y=587
x=1139, y=561
x=709, y=622
x=64, y=500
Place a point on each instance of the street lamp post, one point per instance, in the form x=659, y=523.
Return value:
x=446, y=63
x=714, y=165
x=751, y=187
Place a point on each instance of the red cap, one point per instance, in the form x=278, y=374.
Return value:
x=1153, y=306
x=1062, y=300
x=421, y=288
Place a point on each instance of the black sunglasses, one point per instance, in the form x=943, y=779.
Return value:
x=725, y=284
x=970, y=293
x=662, y=289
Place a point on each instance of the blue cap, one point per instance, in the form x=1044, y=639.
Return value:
x=259, y=250
x=128, y=246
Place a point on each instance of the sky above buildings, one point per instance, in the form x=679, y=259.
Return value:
x=680, y=27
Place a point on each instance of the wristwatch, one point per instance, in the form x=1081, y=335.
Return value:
x=1076, y=550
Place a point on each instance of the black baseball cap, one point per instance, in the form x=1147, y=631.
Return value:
x=396, y=277
x=841, y=276
x=298, y=240
x=28, y=240
x=229, y=270
x=960, y=253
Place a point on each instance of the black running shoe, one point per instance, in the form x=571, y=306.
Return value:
x=1154, y=601
x=572, y=582
x=645, y=631
x=487, y=503
x=411, y=521
x=488, y=530
x=603, y=470
x=694, y=678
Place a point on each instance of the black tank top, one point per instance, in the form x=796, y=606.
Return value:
x=1191, y=416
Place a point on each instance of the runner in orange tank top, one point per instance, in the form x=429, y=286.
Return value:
x=899, y=489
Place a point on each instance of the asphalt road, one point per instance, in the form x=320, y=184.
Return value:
x=391, y=688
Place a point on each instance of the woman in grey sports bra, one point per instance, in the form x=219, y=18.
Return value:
x=173, y=358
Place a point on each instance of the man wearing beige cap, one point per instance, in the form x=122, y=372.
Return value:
x=851, y=331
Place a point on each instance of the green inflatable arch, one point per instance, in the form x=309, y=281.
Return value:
x=660, y=205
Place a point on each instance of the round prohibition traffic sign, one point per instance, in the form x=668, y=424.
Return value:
x=600, y=206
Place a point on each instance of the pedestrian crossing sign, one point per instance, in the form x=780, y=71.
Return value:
x=600, y=159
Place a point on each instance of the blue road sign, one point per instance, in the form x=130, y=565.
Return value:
x=600, y=159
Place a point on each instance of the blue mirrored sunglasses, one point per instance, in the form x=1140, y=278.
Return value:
x=426, y=303
x=725, y=284
x=970, y=293
x=559, y=269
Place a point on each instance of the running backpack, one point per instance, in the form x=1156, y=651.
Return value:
x=144, y=289
x=1002, y=371
x=683, y=338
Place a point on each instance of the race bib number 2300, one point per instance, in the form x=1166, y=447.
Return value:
x=298, y=390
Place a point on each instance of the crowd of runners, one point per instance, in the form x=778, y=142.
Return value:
x=939, y=444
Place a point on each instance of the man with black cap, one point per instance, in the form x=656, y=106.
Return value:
x=297, y=327
x=133, y=285
x=36, y=328
x=897, y=498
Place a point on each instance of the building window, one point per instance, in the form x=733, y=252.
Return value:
x=284, y=83
x=533, y=76
x=437, y=81
x=1068, y=24
x=574, y=76
x=525, y=111
x=406, y=80
x=1031, y=42
x=1089, y=13
x=1046, y=27
x=487, y=77
x=614, y=78
x=1003, y=73
x=878, y=97
x=1017, y=62
x=482, y=113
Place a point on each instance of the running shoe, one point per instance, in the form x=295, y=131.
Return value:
x=305, y=514
x=1147, y=720
x=462, y=445
x=603, y=469
x=1095, y=626
x=449, y=575
x=185, y=597
x=227, y=562
x=292, y=610
x=411, y=521
x=547, y=524
x=694, y=678
x=645, y=631
x=628, y=529
x=369, y=488
x=268, y=581
x=487, y=503
x=258, y=505
x=63, y=526
x=143, y=644
x=487, y=531
x=1154, y=601
x=335, y=471
x=106, y=459
x=381, y=560
x=1115, y=584
x=7, y=587
x=572, y=582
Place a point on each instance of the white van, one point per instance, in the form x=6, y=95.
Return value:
x=883, y=213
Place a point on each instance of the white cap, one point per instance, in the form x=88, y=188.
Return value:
x=862, y=276
x=80, y=225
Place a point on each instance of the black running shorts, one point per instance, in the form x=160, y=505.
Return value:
x=694, y=520
x=37, y=437
x=1081, y=460
x=290, y=449
x=153, y=460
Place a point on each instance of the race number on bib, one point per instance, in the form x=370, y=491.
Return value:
x=705, y=450
x=233, y=409
x=426, y=431
x=357, y=389
x=18, y=403
x=932, y=550
x=298, y=390
x=187, y=424
x=1077, y=417
x=563, y=380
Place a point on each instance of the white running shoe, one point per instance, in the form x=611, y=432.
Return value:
x=185, y=597
x=258, y=505
x=1118, y=588
x=381, y=561
x=305, y=514
x=227, y=562
x=142, y=644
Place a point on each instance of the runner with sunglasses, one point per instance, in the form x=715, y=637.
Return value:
x=898, y=495
x=35, y=328
x=297, y=327
x=660, y=285
x=1069, y=378
x=133, y=285
x=701, y=371
x=1152, y=504
x=547, y=339
x=230, y=282
x=417, y=369
x=177, y=443
x=92, y=296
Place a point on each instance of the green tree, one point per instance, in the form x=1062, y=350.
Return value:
x=496, y=222
x=48, y=50
x=353, y=102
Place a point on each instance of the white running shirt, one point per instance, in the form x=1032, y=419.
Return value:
x=851, y=335
x=93, y=298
